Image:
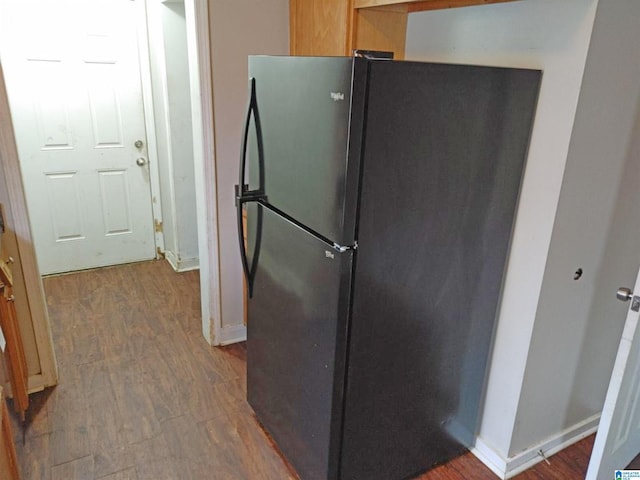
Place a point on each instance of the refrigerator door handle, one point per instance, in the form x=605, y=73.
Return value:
x=241, y=239
x=249, y=270
x=244, y=195
x=242, y=190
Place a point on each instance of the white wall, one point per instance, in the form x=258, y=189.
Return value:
x=548, y=35
x=238, y=28
x=579, y=323
x=172, y=108
x=175, y=47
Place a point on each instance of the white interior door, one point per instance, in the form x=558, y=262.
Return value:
x=618, y=438
x=73, y=79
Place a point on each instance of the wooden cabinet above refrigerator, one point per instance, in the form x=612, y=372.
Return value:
x=337, y=27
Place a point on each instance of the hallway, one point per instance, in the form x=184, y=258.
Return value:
x=142, y=396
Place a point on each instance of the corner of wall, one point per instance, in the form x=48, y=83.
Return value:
x=552, y=37
x=567, y=332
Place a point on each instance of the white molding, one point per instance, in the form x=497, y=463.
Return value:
x=173, y=260
x=149, y=122
x=186, y=265
x=512, y=466
x=199, y=52
x=156, y=35
x=232, y=334
x=492, y=459
x=181, y=264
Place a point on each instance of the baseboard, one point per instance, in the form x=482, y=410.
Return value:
x=492, y=459
x=509, y=467
x=36, y=383
x=232, y=334
x=179, y=264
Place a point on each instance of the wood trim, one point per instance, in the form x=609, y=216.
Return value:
x=392, y=7
x=422, y=5
x=446, y=4
x=379, y=3
x=8, y=459
x=352, y=29
x=199, y=52
x=31, y=273
x=383, y=29
x=36, y=384
x=293, y=27
x=319, y=27
x=15, y=359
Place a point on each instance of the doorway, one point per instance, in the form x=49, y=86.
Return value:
x=199, y=68
x=101, y=109
x=74, y=86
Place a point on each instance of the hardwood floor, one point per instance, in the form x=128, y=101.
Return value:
x=569, y=464
x=142, y=395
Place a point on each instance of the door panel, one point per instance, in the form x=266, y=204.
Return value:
x=296, y=341
x=442, y=164
x=64, y=197
x=305, y=106
x=74, y=86
x=104, y=104
x=618, y=439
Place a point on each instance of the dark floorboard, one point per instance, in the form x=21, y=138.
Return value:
x=143, y=396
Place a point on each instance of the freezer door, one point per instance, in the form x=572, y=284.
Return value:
x=296, y=341
x=442, y=166
x=304, y=106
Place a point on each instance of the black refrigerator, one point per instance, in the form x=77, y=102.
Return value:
x=380, y=199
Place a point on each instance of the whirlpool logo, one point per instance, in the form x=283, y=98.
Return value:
x=337, y=96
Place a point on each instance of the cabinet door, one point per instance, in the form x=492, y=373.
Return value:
x=8, y=460
x=14, y=353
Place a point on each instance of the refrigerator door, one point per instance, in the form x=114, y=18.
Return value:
x=305, y=108
x=296, y=341
x=442, y=166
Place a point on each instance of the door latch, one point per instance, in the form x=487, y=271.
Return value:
x=635, y=304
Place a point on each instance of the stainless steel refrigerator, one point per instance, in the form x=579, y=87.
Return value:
x=380, y=199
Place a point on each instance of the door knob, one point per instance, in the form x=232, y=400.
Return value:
x=624, y=294
x=141, y=161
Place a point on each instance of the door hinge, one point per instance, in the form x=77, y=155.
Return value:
x=345, y=248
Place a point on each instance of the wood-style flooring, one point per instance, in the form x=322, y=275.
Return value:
x=142, y=396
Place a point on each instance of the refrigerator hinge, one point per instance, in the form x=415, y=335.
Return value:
x=342, y=248
x=245, y=195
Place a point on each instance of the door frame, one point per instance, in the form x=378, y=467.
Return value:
x=197, y=18
x=144, y=62
x=144, y=69
x=201, y=81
